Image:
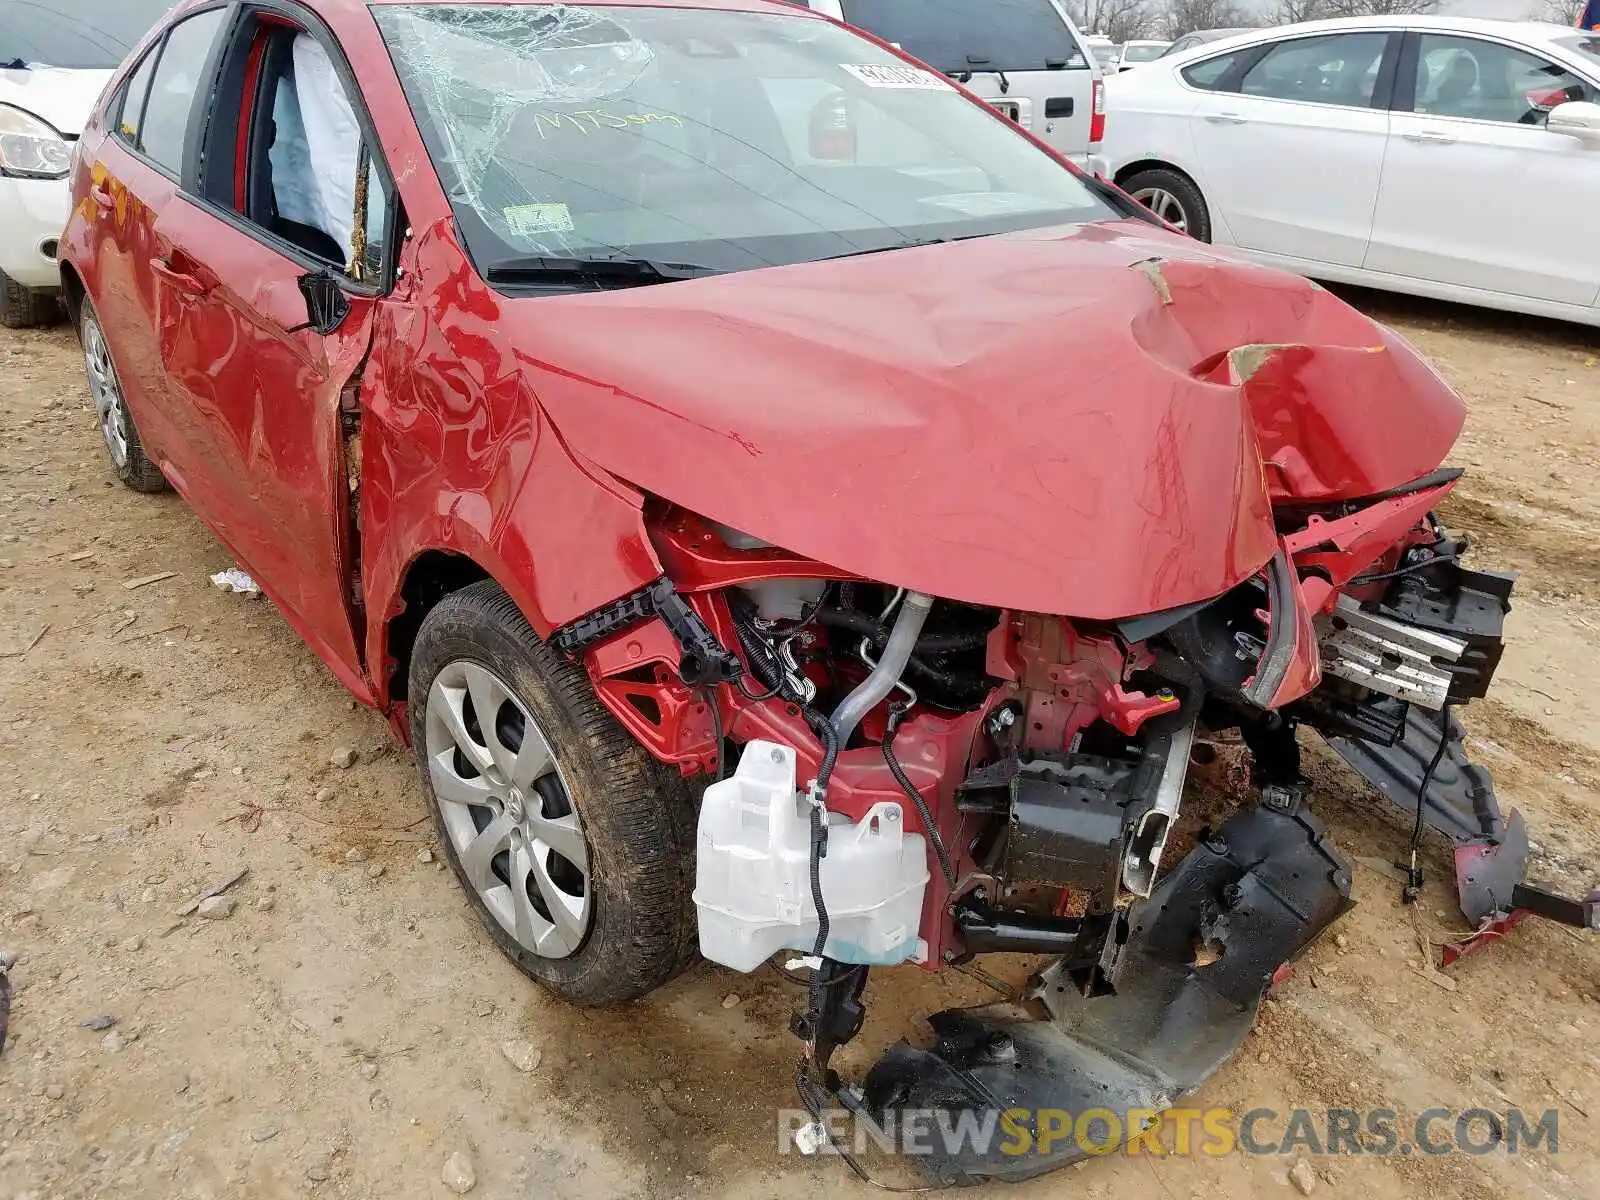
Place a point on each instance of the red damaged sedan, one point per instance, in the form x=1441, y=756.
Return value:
x=787, y=508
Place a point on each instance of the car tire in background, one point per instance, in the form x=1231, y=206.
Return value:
x=1173, y=197
x=117, y=427
x=576, y=850
x=23, y=308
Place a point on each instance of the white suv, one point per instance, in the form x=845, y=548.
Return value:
x=1025, y=57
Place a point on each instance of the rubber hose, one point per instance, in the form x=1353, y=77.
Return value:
x=960, y=687
x=877, y=632
x=880, y=682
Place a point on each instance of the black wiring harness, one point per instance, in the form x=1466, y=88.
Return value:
x=1413, y=888
x=832, y=986
x=769, y=671
x=897, y=712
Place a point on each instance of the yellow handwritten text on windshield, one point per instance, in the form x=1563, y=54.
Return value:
x=594, y=120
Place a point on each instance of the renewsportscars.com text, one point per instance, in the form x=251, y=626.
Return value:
x=1188, y=1131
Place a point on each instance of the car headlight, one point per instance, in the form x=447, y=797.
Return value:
x=30, y=148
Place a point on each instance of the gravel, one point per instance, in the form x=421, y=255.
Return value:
x=458, y=1174
x=217, y=908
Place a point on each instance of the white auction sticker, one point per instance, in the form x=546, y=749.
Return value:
x=895, y=75
x=529, y=220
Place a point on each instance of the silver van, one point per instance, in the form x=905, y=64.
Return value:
x=1025, y=57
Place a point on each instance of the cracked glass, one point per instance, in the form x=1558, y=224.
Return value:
x=727, y=140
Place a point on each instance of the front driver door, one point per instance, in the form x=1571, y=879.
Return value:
x=1290, y=144
x=259, y=390
x=1476, y=192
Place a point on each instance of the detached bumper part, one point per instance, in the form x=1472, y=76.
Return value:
x=1187, y=970
x=1448, y=613
x=1490, y=849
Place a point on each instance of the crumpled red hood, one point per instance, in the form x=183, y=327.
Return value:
x=1058, y=421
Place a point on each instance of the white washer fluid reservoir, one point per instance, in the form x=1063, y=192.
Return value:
x=753, y=872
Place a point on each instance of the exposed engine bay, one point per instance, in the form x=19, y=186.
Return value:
x=899, y=777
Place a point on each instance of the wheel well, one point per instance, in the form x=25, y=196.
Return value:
x=72, y=291
x=1150, y=164
x=432, y=576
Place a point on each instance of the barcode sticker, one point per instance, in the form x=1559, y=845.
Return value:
x=526, y=220
x=895, y=75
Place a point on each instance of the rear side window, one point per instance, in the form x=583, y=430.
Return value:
x=177, y=77
x=1212, y=74
x=1339, y=69
x=962, y=35
x=133, y=96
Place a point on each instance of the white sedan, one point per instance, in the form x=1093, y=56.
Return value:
x=1137, y=52
x=1445, y=157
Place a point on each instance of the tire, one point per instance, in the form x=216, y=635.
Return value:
x=118, y=430
x=23, y=308
x=1172, y=196
x=635, y=818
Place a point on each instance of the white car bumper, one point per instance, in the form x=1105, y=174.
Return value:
x=33, y=212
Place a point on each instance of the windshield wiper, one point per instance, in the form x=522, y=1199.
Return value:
x=604, y=272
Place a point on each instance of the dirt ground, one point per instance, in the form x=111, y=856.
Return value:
x=343, y=1031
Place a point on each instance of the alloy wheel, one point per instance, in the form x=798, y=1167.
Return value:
x=507, y=810
x=106, y=391
x=1165, y=205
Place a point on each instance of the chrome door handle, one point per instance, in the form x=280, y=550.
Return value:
x=1428, y=135
x=1225, y=118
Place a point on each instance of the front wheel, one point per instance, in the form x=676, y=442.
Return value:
x=1173, y=197
x=575, y=847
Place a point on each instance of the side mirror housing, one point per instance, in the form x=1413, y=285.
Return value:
x=326, y=304
x=1576, y=118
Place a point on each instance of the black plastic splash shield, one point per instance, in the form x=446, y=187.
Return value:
x=1491, y=850
x=1251, y=896
x=1460, y=803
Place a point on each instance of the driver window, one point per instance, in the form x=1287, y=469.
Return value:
x=1485, y=81
x=311, y=180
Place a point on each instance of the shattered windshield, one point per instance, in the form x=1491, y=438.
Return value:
x=727, y=140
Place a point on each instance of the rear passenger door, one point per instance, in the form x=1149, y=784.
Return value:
x=1290, y=138
x=292, y=186
x=1476, y=191
x=135, y=172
